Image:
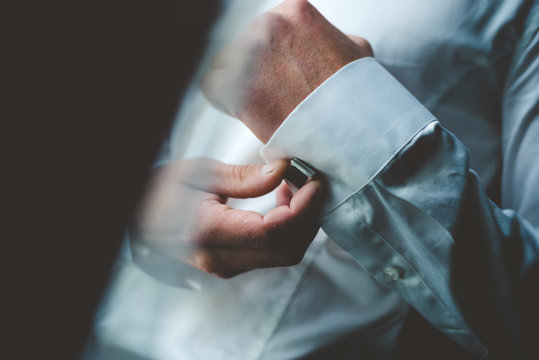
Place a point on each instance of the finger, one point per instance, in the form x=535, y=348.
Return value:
x=308, y=198
x=294, y=7
x=221, y=226
x=238, y=181
x=232, y=261
x=241, y=181
x=283, y=195
x=304, y=204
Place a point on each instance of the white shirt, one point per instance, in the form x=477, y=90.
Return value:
x=452, y=63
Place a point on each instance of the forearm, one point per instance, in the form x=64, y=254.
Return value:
x=407, y=206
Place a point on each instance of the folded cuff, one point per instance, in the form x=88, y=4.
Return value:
x=350, y=127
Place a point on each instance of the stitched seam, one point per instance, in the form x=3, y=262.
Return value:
x=384, y=165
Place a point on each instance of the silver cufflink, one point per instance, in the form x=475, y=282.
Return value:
x=393, y=273
x=298, y=174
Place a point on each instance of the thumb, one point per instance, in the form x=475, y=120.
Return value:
x=238, y=181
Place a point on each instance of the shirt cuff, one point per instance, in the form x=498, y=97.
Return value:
x=350, y=127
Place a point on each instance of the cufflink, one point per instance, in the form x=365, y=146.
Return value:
x=393, y=273
x=298, y=174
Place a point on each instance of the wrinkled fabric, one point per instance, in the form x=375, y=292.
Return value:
x=411, y=144
x=404, y=195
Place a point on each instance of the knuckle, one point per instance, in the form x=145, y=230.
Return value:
x=239, y=173
x=301, y=8
x=204, y=261
x=363, y=43
x=301, y=5
x=269, y=28
x=272, y=22
x=277, y=22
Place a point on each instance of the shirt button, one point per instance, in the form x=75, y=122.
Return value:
x=393, y=273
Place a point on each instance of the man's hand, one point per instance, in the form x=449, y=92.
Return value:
x=282, y=57
x=183, y=218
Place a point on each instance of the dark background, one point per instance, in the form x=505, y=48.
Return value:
x=90, y=89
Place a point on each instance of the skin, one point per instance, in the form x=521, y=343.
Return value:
x=281, y=58
x=183, y=219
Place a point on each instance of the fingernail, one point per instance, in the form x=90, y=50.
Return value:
x=317, y=187
x=268, y=169
x=315, y=183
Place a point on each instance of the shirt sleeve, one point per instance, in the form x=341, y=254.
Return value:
x=405, y=204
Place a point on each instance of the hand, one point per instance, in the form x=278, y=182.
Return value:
x=183, y=218
x=283, y=56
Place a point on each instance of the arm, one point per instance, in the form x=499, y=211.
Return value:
x=183, y=220
x=403, y=200
x=407, y=206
